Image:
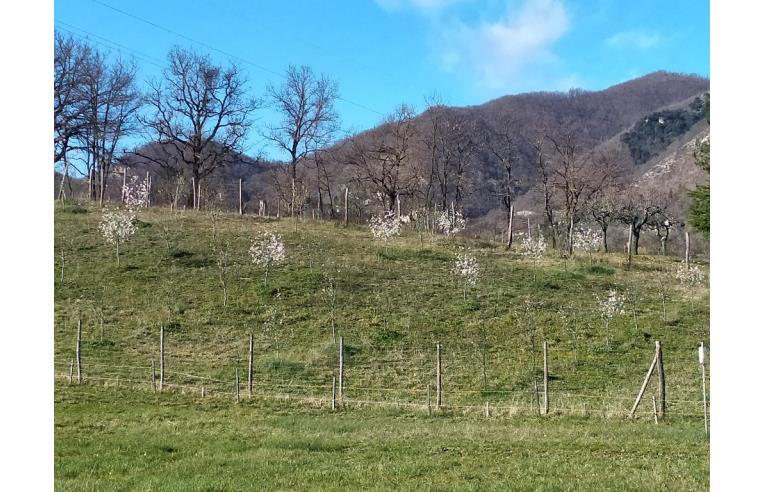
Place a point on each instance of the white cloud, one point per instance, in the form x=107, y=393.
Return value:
x=634, y=39
x=422, y=5
x=497, y=53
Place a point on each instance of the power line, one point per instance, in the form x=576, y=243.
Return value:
x=142, y=56
x=223, y=52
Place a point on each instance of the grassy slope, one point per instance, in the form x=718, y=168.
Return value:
x=394, y=303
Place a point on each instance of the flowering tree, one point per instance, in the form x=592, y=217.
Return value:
x=267, y=251
x=450, y=223
x=136, y=193
x=385, y=226
x=690, y=276
x=533, y=248
x=117, y=226
x=610, y=307
x=588, y=240
x=467, y=267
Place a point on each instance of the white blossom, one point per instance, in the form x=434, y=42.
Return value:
x=117, y=225
x=267, y=250
x=450, y=224
x=531, y=247
x=385, y=226
x=612, y=305
x=135, y=194
x=467, y=266
x=587, y=239
x=691, y=276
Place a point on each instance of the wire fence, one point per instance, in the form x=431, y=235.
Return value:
x=475, y=379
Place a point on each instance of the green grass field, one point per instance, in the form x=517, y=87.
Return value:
x=394, y=302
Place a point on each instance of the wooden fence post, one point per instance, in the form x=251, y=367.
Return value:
x=153, y=376
x=655, y=410
x=241, y=203
x=644, y=384
x=661, y=380
x=161, y=358
x=237, y=385
x=342, y=370
x=334, y=393
x=438, y=381
x=193, y=191
x=687, y=249
x=251, y=361
x=628, y=245
x=429, y=404
x=148, y=190
x=702, y=360
x=78, y=353
x=204, y=393
x=346, y=206
x=71, y=370
x=546, y=381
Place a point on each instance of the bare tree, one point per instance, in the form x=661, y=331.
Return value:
x=111, y=106
x=308, y=123
x=604, y=210
x=638, y=207
x=384, y=161
x=545, y=186
x=201, y=111
x=69, y=102
x=578, y=176
x=503, y=144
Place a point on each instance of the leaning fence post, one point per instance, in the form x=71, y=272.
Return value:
x=702, y=360
x=546, y=382
x=661, y=380
x=644, y=384
x=251, y=360
x=78, y=353
x=342, y=370
x=161, y=358
x=438, y=381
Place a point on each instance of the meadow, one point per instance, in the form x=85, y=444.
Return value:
x=394, y=302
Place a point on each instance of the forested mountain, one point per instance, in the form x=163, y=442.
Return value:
x=511, y=153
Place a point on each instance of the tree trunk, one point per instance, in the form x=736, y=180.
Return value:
x=570, y=236
x=636, y=242
x=604, y=239
x=509, y=225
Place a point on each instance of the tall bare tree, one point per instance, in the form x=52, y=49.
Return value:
x=604, y=210
x=201, y=111
x=308, y=123
x=111, y=105
x=385, y=160
x=578, y=176
x=70, y=58
x=502, y=142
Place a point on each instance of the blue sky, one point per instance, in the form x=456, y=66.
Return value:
x=386, y=52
